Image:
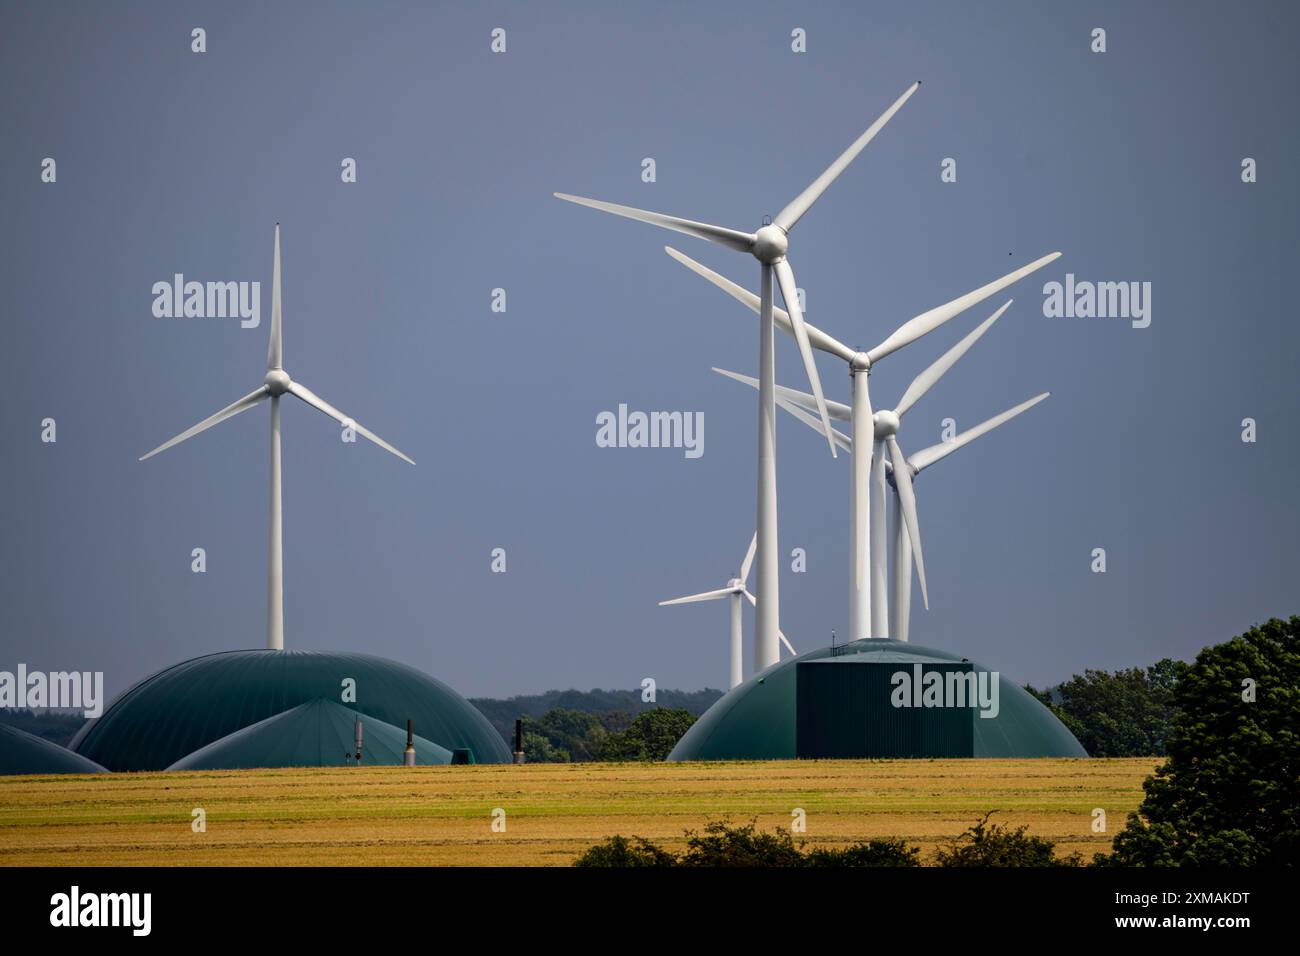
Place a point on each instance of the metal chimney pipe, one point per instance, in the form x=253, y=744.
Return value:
x=519, y=740
x=358, y=740
x=409, y=756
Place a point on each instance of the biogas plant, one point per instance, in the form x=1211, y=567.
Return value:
x=273, y=707
x=877, y=695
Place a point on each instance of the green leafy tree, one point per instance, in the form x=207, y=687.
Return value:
x=539, y=749
x=614, y=708
x=1125, y=713
x=1229, y=794
x=652, y=736
x=560, y=735
x=991, y=844
x=581, y=734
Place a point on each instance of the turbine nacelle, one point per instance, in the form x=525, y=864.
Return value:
x=886, y=423
x=277, y=382
x=770, y=244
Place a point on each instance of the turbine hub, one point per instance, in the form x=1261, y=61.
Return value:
x=861, y=362
x=277, y=381
x=886, y=423
x=770, y=244
x=735, y=584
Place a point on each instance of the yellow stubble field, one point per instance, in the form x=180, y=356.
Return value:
x=444, y=815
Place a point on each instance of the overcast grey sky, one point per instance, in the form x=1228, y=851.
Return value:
x=169, y=161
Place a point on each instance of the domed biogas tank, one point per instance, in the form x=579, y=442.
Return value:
x=869, y=699
x=22, y=753
x=176, y=711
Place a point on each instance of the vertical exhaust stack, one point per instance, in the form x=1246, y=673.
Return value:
x=409, y=756
x=358, y=741
x=519, y=740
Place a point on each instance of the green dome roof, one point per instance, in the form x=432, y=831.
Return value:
x=757, y=719
x=173, y=713
x=319, y=733
x=21, y=752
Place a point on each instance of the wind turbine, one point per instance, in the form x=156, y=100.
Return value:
x=900, y=608
x=867, y=589
x=276, y=383
x=734, y=590
x=902, y=470
x=769, y=246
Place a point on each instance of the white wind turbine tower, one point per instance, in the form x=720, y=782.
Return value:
x=734, y=591
x=768, y=245
x=276, y=383
x=885, y=428
x=867, y=587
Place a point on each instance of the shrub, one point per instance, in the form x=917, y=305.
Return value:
x=991, y=844
x=724, y=845
x=886, y=852
x=620, y=851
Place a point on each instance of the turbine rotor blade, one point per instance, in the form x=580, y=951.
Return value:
x=731, y=238
x=318, y=403
x=749, y=559
x=927, y=379
x=784, y=640
x=275, y=350
x=230, y=411
x=838, y=411
x=927, y=322
x=928, y=456
x=791, y=214
x=841, y=439
x=790, y=293
x=706, y=596
x=818, y=339
x=903, y=484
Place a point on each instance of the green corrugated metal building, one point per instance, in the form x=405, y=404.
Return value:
x=21, y=752
x=173, y=713
x=837, y=702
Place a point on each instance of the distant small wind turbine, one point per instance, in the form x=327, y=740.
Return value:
x=276, y=383
x=734, y=590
